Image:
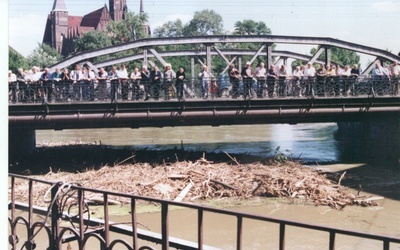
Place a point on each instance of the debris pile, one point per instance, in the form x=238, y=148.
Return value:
x=189, y=181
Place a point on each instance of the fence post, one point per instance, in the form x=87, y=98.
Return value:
x=55, y=227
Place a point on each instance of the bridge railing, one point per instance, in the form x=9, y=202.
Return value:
x=68, y=219
x=130, y=90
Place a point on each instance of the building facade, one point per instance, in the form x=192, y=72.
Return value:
x=62, y=28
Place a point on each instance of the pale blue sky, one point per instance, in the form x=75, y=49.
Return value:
x=368, y=22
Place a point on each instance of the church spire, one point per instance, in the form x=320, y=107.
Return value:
x=59, y=5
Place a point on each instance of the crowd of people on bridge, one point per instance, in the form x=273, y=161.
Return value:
x=82, y=83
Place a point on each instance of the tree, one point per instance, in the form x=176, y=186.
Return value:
x=250, y=27
x=92, y=40
x=203, y=23
x=15, y=60
x=129, y=29
x=169, y=29
x=43, y=56
x=338, y=56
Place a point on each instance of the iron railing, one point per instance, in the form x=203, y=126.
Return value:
x=67, y=204
x=130, y=90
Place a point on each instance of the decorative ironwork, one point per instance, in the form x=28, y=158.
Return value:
x=129, y=90
x=65, y=194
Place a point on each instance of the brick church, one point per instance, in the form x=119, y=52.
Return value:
x=61, y=28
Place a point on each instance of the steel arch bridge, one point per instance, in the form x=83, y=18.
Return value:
x=212, y=43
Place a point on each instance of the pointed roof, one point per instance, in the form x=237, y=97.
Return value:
x=59, y=5
x=93, y=19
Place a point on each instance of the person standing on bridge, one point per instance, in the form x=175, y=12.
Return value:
x=234, y=78
x=145, y=76
x=261, y=73
x=169, y=76
x=282, y=92
x=271, y=79
x=320, y=81
x=205, y=77
x=76, y=77
x=136, y=76
x=180, y=78
x=156, y=77
x=296, y=81
x=309, y=75
x=102, y=83
x=395, y=70
x=123, y=79
x=247, y=75
x=47, y=83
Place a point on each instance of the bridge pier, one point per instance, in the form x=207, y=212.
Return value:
x=21, y=142
x=376, y=139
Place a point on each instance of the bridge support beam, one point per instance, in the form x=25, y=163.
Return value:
x=377, y=138
x=21, y=141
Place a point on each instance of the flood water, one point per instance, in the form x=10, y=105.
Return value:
x=311, y=143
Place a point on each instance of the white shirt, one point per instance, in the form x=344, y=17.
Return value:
x=309, y=71
x=123, y=74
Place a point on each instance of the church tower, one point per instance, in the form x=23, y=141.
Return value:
x=59, y=24
x=118, y=9
x=146, y=26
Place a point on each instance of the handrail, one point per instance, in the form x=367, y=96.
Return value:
x=164, y=238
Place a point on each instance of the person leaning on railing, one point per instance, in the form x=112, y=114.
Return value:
x=112, y=75
x=395, y=70
x=47, y=83
x=123, y=77
x=169, y=75
x=12, y=86
x=65, y=84
x=282, y=86
x=145, y=75
x=261, y=73
x=76, y=76
x=296, y=84
x=234, y=78
x=136, y=76
x=156, y=77
x=102, y=84
x=180, y=78
x=271, y=78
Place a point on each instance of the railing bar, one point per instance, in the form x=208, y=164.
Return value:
x=134, y=226
x=80, y=211
x=55, y=226
x=332, y=236
x=239, y=232
x=106, y=221
x=386, y=244
x=30, y=204
x=200, y=228
x=164, y=226
x=282, y=236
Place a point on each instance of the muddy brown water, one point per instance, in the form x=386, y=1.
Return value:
x=311, y=143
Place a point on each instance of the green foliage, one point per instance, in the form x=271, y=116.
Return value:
x=205, y=22
x=129, y=29
x=43, y=56
x=92, y=40
x=338, y=56
x=169, y=29
x=282, y=157
x=16, y=60
x=250, y=27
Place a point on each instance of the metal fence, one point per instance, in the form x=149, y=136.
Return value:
x=67, y=219
x=130, y=90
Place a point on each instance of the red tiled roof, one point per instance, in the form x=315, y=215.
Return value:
x=93, y=19
x=74, y=21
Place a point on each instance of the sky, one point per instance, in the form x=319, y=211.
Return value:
x=373, y=23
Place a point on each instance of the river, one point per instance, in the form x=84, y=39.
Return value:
x=313, y=144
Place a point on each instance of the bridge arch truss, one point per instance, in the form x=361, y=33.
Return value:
x=211, y=43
